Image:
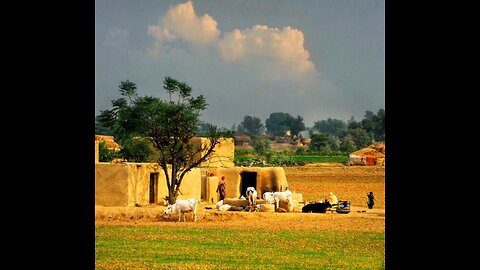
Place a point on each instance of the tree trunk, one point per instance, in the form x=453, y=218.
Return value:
x=171, y=195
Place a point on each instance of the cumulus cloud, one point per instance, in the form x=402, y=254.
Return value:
x=271, y=51
x=183, y=22
x=284, y=45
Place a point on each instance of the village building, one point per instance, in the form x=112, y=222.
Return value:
x=141, y=184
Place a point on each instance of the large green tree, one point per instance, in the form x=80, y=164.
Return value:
x=297, y=125
x=251, y=125
x=278, y=123
x=331, y=126
x=169, y=125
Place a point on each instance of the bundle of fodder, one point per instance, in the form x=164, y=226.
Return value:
x=236, y=202
x=365, y=156
x=380, y=147
x=367, y=151
x=267, y=207
x=295, y=207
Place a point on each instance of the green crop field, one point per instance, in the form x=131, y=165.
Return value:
x=298, y=158
x=155, y=247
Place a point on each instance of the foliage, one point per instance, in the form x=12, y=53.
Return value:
x=297, y=125
x=331, y=126
x=169, y=125
x=251, y=125
x=323, y=141
x=263, y=150
x=279, y=123
x=187, y=247
x=360, y=137
x=137, y=150
x=101, y=129
x=105, y=154
x=348, y=144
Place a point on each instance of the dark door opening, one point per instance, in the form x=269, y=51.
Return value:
x=249, y=179
x=153, y=187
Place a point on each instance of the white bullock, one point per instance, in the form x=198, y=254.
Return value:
x=183, y=206
x=276, y=197
x=251, y=196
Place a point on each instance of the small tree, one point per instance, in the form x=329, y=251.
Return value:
x=263, y=150
x=169, y=125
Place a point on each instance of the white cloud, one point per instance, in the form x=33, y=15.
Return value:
x=270, y=52
x=285, y=46
x=182, y=21
x=160, y=33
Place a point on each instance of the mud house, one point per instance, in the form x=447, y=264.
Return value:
x=130, y=184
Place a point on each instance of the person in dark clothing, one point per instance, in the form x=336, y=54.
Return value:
x=370, y=200
x=221, y=188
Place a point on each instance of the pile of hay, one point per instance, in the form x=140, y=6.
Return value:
x=371, y=155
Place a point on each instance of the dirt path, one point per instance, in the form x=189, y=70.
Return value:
x=356, y=220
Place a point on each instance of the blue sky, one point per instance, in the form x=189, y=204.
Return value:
x=318, y=59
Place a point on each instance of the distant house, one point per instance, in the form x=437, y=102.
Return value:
x=242, y=140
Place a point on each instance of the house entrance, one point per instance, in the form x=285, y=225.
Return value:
x=153, y=187
x=249, y=179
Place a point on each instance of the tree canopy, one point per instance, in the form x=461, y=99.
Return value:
x=251, y=125
x=169, y=125
x=279, y=123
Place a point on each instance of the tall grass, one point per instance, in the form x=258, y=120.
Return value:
x=152, y=247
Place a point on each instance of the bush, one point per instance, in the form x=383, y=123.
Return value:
x=105, y=154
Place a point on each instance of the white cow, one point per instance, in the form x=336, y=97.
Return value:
x=251, y=196
x=268, y=197
x=183, y=206
x=272, y=197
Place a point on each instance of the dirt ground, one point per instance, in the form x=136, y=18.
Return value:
x=313, y=182
x=356, y=220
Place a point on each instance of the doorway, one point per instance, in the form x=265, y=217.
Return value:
x=153, y=187
x=249, y=179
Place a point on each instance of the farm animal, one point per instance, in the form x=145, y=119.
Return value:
x=252, y=196
x=268, y=197
x=316, y=207
x=183, y=206
x=276, y=197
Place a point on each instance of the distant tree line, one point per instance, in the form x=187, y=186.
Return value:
x=326, y=135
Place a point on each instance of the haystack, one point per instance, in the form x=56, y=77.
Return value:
x=368, y=156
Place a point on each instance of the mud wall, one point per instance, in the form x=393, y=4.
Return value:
x=128, y=184
x=267, y=179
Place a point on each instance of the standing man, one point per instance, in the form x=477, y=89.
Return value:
x=221, y=188
x=370, y=200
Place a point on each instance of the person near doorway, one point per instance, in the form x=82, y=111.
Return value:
x=221, y=188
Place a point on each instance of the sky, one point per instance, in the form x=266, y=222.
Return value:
x=317, y=59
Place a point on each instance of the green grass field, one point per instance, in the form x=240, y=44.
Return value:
x=155, y=247
x=299, y=158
